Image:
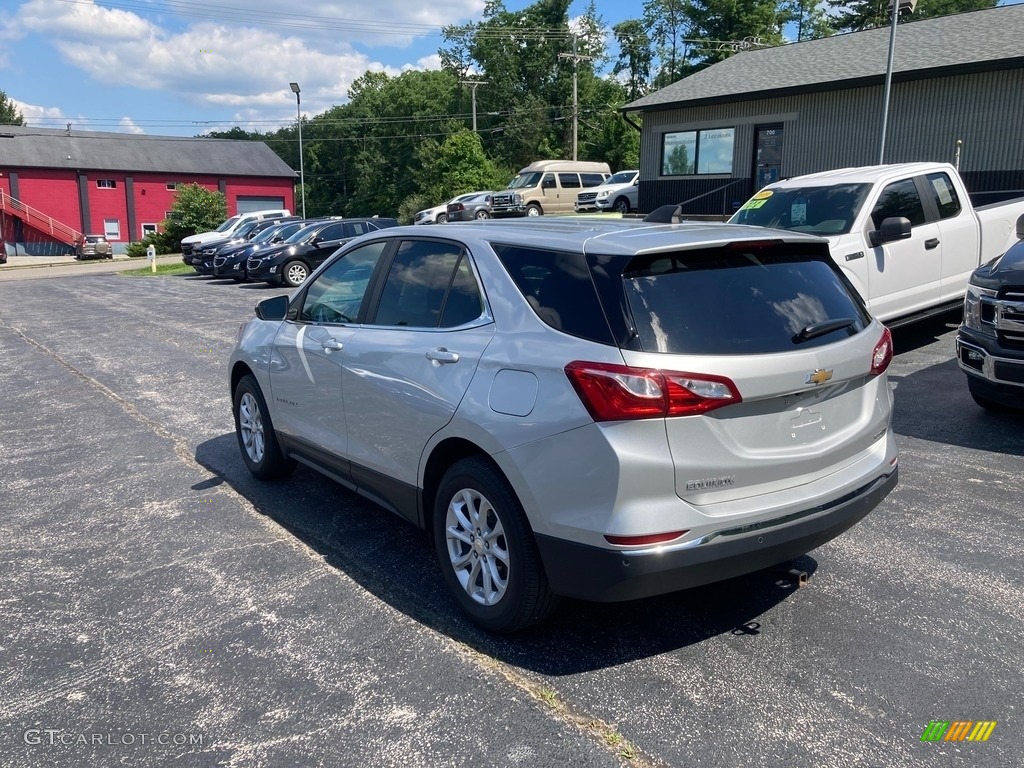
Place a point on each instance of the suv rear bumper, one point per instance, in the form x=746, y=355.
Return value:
x=607, y=575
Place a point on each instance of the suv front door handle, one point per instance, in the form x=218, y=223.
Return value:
x=441, y=356
x=330, y=344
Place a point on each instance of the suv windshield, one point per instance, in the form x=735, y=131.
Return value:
x=303, y=233
x=819, y=210
x=227, y=224
x=525, y=180
x=622, y=177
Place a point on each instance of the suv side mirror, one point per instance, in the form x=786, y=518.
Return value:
x=1020, y=227
x=274, y=308
x=892, y=229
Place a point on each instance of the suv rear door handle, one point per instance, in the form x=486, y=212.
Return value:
x=442, y=356
x=933, y=243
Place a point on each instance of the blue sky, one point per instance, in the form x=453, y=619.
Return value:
x=181, y=67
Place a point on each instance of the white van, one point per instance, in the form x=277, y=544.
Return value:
x=548, y=186
x=228, y=228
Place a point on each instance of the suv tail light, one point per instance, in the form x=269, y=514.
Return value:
x=618, y=392
x=882, y=355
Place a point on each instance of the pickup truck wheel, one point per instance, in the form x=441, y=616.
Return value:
x=295, y=273
x=255, y=431
x=534, y=210
x=622, y=205
x=487, y=551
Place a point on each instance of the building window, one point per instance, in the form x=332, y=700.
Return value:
x=172, y=185
x=149, y=229
x=112, y=229
x=106, y=183
x=687, y=153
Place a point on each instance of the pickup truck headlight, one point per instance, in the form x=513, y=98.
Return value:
x=517, y=199
x=979, y=309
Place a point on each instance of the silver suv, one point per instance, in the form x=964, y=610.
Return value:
x=600, y=409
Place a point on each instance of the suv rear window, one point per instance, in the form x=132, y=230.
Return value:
x=738, y=300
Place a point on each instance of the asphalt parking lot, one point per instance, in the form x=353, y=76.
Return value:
x=160, y=607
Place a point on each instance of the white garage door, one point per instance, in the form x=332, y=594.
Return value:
x=247, y=204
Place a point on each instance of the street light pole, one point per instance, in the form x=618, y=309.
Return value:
x=302, y=172
x=897, y=6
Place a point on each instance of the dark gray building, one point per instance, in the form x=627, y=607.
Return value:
x=957, y=96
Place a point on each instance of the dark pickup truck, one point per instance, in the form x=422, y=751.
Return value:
x=990, y=342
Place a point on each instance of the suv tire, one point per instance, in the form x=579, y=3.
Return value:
x=442, y=218
x=481, y=532
x=294, y=273
x=255, y=431
x=622, y=205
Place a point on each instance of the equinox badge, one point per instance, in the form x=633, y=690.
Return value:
x=819, y=376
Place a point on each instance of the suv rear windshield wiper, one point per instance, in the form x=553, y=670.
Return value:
x=814, y=330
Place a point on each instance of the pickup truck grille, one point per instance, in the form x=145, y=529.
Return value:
x=186, y=249
x=501, y=200
x=1009, y=317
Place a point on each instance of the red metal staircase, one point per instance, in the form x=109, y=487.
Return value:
x=39, y=220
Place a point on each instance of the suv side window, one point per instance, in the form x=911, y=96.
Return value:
x=569, y=180
x=356, y=228
x=558, y=287
x=332, y=232
x=417, y=282
x=336, y=295
x=463, y=303
x=899, y=199
x=946, y=200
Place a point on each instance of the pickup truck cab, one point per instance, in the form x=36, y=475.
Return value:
x=905, y=235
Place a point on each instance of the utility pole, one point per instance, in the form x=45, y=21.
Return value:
x=474, y=84
x=576, y=59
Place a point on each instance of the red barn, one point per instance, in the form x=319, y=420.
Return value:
x=57, y=185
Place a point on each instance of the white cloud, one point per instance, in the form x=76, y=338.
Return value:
x=33, y=111
x=234, y=59
x=128, y=126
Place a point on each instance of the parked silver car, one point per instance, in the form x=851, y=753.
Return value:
x=603, y=409
x=476, y=207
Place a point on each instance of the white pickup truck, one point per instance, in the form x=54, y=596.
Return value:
x=905, y=235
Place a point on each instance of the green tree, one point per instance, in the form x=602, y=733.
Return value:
x=9, y=114
x=811, y=19
x=196, y=209
x=635, y=57
x=867, y=14
x=728, y=25
x=669, y=25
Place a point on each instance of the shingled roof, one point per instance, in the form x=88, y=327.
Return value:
x=29, y=147
x=980, y=40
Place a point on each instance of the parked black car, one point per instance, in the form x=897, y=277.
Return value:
x=201, y=257
x=205, y=251
x=292, y=261
x=230, y=259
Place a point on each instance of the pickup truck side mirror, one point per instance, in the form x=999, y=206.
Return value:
x=892, y=229
x=1020, y=227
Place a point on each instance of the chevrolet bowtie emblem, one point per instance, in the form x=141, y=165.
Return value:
x=818, y=377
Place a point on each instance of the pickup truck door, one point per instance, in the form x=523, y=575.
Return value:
x=960, y=233
x=905, y=274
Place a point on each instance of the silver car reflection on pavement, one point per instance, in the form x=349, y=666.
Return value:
x=598, y=409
